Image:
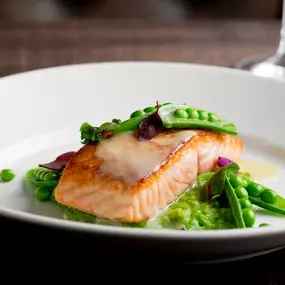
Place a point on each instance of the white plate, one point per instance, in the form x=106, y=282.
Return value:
x=41, y=112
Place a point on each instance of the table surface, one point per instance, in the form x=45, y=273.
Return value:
x=28, y=46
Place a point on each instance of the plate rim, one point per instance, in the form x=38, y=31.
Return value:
x=177, y=64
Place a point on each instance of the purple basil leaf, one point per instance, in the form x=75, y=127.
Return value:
x=149, y=127
x=60, y=162
x=223, y=162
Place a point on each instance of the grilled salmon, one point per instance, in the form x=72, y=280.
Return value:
x=126, y=180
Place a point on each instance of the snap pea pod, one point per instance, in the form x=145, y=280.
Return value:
x=183, y=116
x=259, y=195
x=235, y=206
x=270, y=207
x=44, y=180
x=136, y=118
x=172, y=116
x=42, y=177
x=130, y=124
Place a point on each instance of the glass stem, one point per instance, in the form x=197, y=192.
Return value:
x=281, y=47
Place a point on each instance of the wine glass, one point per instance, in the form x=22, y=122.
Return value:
x=272, y=67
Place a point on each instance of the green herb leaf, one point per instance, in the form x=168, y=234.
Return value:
x=218, y=180
x=217, y=183
x=204, y=178
x=231, y=168
x=90, y=134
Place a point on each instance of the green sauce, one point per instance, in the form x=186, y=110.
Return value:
x=189, y=213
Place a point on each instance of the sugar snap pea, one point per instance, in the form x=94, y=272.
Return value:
x=270, y=207
x=259, y=195
x=170, y=115
x=235, y=206
x=130, y=124
x=42, y=177
x=183, y=116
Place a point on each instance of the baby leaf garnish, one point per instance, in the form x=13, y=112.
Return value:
x=150, y=126
x=59, y=163
x=223, y=161
x=90, y=134
x=217, y=183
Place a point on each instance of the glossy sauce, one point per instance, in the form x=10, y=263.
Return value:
x=260, y=170
x=125, y=157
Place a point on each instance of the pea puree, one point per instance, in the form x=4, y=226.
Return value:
x=189, y=213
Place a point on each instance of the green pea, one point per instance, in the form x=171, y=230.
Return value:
x=245, y=203
x=241, y=192
x=137, y=113
x=203, y=115
x=254, y=190
x=7, y=175
x=268, y=196
x=237, y=181
x=149, y=109
x=181, y=113
x=213, y=117
x=116, y=121
x=264, y=225
x=43, y=194
x=248, y=217
x=193, y=114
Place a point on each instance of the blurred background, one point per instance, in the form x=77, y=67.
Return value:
x=44, y=33
x=52, y=10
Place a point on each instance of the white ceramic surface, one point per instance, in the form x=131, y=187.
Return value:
x=41, y=112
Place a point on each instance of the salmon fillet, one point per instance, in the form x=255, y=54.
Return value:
x=126, y=180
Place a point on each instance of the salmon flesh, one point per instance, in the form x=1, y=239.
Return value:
x=126, y=180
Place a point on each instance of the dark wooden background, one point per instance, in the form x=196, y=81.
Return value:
x=42, y=33
x=220, y=42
